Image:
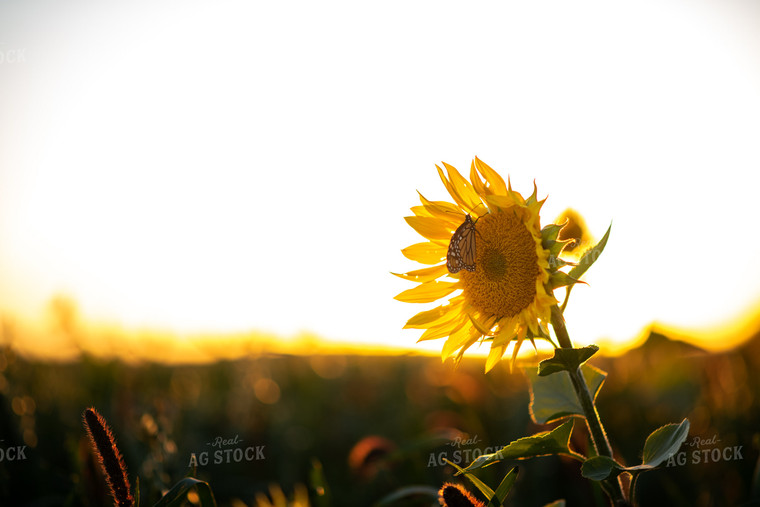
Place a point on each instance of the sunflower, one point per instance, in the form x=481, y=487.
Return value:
x=507, y=293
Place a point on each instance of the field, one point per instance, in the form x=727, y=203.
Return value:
x=371, y=425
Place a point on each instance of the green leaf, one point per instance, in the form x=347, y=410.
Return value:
x=590, y=256
x=562, y=279
x=661, y=444
x=549, y=234
x=556, y=263
x=175, y=497
x=599, y=468
x=549, y=241
x=556, y=441
x=552, y=397
x=482, y=486
x=566, y=360
x=504, y=488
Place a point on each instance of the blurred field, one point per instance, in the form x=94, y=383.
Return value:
x=279, y=414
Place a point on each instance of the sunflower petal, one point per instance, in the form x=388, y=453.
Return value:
x=428, y=292
x=474, y=337
x=482, y=328
x=506, y=333
x=420, y=211
x=495, y=355
x=462, y=201
x=462, y=339
x=520, y=338
x=501, y=202
x=477, y=183
x=450, y=188
x=429, y=227
x=443, y=330
x=425, y=253
x=424, y=274
x=464, y=189
x=443, y=210
x=429, y=318
x=496, y=183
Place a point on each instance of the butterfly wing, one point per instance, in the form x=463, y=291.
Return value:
x=467, y=249
x=452, y=262
x=461, y=252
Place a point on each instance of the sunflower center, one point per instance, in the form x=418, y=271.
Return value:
x=504, y=281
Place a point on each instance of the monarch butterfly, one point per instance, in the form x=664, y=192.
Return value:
x=461, y=253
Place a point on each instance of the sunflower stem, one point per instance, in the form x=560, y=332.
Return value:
x=593, y=422
x=558, y=323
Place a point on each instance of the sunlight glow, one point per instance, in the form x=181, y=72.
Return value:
x=245, y=167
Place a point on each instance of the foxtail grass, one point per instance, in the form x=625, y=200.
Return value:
x=109, y=457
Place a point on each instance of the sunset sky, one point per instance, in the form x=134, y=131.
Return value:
x=219, y=167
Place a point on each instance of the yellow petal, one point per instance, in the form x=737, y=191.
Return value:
x=443, y=210
x=425, y=253
x=431, y=318
x=505, y=334
x=483, y=327
x=520, y=338
x=464, y=337
x=424, y=274
x=430, y=228
x=465, y=203
x=477, y=183
x=501, y=202
x=442, y=330
x=469, y=342
x=463, y=189
x=420, y=211
x=495, y=355
x=428, y=292
x=496, y=183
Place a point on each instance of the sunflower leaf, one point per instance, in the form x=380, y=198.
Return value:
x=556, y=441
x=549, y=234
x=590, y=256
x=661, y=445
x=566, y=360
x=552, y=397
x=555, y=263
x=560, y=279
x=599, y=468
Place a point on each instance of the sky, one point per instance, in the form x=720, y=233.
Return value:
x=221, y=167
